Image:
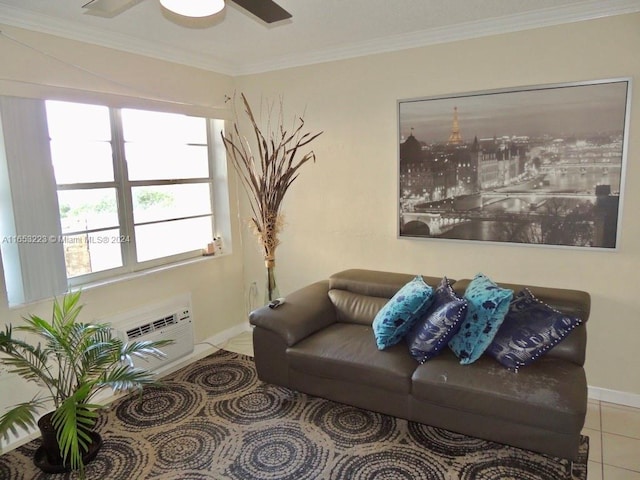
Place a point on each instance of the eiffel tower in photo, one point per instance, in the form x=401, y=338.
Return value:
x=455, y=138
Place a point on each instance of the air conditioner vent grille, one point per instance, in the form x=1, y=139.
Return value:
x=147, y=328
x=167, y=320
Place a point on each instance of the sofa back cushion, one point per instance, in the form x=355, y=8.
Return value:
x=354, y=307
x=359, y=295
x=571, y=302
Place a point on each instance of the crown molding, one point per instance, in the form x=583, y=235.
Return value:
x=578, y=12
x=20, y=18
x=464, y=31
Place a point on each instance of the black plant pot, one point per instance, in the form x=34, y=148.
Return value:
x=48, y=458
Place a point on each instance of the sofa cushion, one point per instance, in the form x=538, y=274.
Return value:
x=431, y=333
x=348, y=352
x=529, y=330
x=355, y=307
x=372, y=282
x=399, y=314
x=488, y=305
x=550, y=393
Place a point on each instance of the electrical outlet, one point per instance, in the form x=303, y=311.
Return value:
x=252, y=296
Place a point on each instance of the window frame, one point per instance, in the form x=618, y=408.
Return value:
x=124, y=199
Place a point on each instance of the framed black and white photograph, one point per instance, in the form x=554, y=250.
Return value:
x=540, y=165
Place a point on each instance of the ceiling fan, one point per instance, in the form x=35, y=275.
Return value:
x=266, y=10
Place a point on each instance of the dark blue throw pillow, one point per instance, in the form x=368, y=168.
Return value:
x=530, y=329
x=431, y=333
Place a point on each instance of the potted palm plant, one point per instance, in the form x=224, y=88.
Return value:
x=74, y=362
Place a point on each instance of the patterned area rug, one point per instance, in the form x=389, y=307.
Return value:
x=215, y=420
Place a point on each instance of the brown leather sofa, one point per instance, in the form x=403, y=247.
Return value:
x=320, y=341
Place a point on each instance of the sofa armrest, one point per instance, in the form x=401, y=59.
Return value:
x=304, y=312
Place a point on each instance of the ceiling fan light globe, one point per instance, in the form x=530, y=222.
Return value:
x=193, y=8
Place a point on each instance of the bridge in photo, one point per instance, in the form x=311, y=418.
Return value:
x=439, y=221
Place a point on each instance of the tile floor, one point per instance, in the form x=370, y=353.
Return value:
x=614, y=435
x=613, y=430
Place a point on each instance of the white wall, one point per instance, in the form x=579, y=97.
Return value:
x=342, y=212
x=215, y=284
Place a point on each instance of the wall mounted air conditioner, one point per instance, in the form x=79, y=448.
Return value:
x=167, y=320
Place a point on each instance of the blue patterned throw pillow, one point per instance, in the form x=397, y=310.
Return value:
x=395, y=319
x=431, y=333
x=488, y=305
x=530, y=329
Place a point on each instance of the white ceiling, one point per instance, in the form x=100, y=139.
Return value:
x=235, y=42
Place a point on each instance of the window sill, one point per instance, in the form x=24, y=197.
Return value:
x=148, y=271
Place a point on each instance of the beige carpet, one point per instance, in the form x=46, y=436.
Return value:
x=215, y=420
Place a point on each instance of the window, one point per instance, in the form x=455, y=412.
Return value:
x=131, y=189
x=84, y=165
x=170, y=178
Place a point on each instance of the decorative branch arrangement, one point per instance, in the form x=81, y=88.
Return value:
x=267, y=177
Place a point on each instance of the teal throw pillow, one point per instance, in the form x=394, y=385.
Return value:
x=488, y=305
x=399, y=314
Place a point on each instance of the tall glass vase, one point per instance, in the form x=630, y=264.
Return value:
x=271, y=291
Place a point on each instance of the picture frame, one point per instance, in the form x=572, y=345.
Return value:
x=535, y=165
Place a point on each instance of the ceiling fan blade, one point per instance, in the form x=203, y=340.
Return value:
x=267, y=10
x=108, y=8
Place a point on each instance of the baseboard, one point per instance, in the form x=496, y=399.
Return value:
x=201, y=350
x=205, y=347
x=614, y=396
